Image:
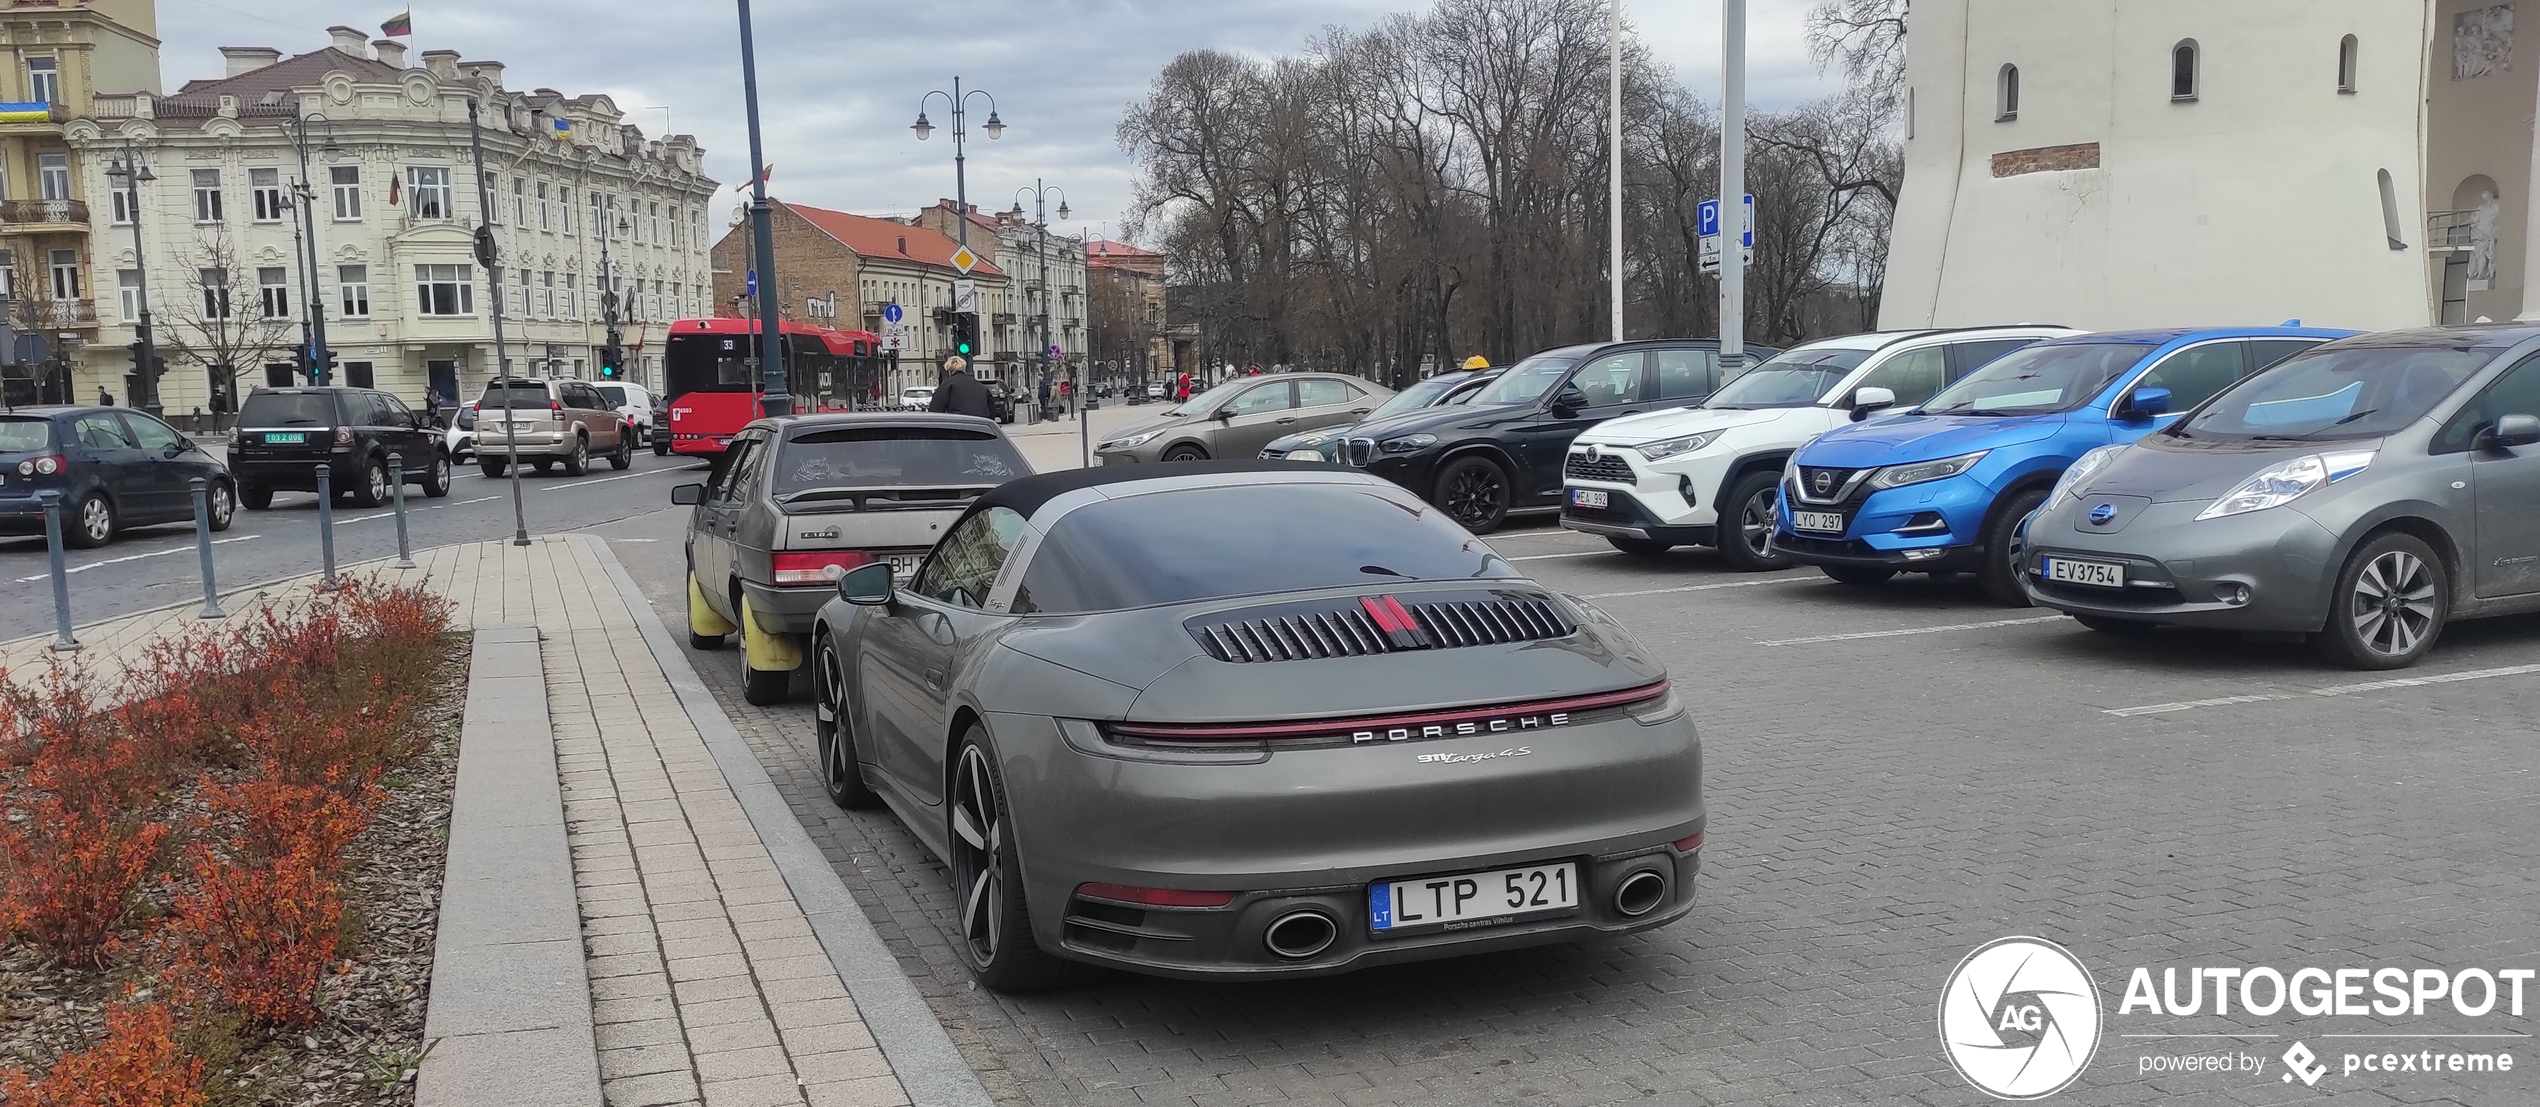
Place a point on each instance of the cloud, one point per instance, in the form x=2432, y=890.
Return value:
x=839, y=82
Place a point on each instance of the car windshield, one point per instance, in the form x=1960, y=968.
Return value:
x=1201, y=403
x=1417, y=396
x=1203, y=543
x=615, y=394
x=2325, y=395
x=21, y=434
x=1526, y=381
x=1792, y=378
x=865, y=458
x=290, y=409
x=2033, y=380
x=521, y=396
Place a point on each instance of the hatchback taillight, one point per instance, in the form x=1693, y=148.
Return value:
x=43, y=466
x=816, y=566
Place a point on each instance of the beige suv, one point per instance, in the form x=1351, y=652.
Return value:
x=552, y=422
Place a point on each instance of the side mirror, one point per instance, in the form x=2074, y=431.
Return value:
x=2511, y=431
x=1568, y=401
x=1224, y=415
x=688, y=495
x=2148, y=402
x=1867, y=399
x=867, y=585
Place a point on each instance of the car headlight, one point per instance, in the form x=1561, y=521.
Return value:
x=1132, y=442
x=1407, y=443
x=1667, y=448
x=1898, y=476
x=1317, y=438
x=2070, y=483
x=2285, y=482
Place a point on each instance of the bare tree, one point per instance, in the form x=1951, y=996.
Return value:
x=1867, y=39
x=222, y=324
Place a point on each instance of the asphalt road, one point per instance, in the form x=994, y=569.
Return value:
x=1897, y=775
x=157, y=566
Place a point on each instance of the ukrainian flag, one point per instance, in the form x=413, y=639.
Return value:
x=33, y=111
x=564, y=130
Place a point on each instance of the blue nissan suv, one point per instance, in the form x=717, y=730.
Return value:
x=1943, y=487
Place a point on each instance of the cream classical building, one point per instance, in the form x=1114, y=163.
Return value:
x=2117, y=163
x=377, y=150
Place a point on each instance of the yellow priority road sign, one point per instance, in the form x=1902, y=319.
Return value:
x=963, y=259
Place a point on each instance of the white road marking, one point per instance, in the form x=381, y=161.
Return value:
x=634, y=540
x=1698, y=587
x=187, y=548
x=2332, y=690
x=605, y=480
x=1545, y=557
x=1987, y=624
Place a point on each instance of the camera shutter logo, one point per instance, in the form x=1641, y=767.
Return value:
x=2020, y=1018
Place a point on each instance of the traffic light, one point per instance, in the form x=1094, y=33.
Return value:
x=965, y=333
x=612, y=362
x=136, y=358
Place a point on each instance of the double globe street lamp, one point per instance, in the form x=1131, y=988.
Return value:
x=132, y=173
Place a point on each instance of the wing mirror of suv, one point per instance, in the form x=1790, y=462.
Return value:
x=2149, y=401
x=1568, y=401
x=867, y=585
x=2511, y=431
x=688, y=495
x=1867, y=399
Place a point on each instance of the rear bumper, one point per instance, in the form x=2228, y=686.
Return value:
x=787, y=610
x=293, y=474
x=532, y=444
x=1611, y=796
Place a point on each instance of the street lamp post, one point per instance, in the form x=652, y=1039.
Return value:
x=486, y=257
x=771, y=341
x=612, y=353
x=1039, y=191
x=961, y=132
x=321, y=359
x=134, y=174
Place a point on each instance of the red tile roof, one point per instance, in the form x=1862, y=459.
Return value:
x=880, y=238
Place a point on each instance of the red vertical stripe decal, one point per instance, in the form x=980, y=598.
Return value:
x=1381, y=609
x=1409, y=624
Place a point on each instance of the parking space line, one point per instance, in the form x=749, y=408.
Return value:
x=2331, y=690
x=188, y=547
x=1909, y=630
x=1698, y=587
x=1547, y=557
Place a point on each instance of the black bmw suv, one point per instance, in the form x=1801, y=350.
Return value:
x=284, y=434
x=1501, y=451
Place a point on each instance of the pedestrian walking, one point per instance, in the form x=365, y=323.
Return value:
x=105, y=398
x=1181, y=388
x=959, y=393
x=1067, y=397
x=1045, y=413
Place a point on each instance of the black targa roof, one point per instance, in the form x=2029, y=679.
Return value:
x=1025, y=495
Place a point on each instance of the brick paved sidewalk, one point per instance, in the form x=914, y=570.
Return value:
x=708, y=982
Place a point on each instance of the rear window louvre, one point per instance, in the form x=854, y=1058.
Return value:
x=1350, y=627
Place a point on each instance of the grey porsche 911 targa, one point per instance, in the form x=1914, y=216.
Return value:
x=1253, y=720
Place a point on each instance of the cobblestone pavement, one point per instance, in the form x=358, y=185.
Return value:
x=1897, y=775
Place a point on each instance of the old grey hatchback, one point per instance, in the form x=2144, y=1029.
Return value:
x=2363, y=493
x=799, y=501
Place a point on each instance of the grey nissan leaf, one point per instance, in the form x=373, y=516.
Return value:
x=2363, y=493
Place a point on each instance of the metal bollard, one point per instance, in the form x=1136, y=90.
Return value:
x=326, y=522
x=397, y=481
x=203, y=545
x=63, y=642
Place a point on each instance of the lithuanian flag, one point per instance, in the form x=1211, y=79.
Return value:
x=400, y=25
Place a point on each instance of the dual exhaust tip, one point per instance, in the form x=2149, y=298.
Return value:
x=1299, y=935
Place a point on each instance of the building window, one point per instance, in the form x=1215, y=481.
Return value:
x=543, y=210
x=44, y=80
x=656, y=217
x=65, y=274
x=207, y=195
x=2183, y=70
x=265, y=187
x=428, y=188
x=273, y=291
x=123, y=204
x=547, y=293
x=2346, y=64
x=358, y=374
x=53, y=175
x=8, y=273
x=674, y=226
x=215, y=284
x=2006, y=94
x=348, y=191
x=490, y=189
x=520, y=202
x=599, y=217
x=572, y=295
x=677, y=306
x=524, y=293
x=445, y=289
x=128, y=294
x=354, y=283
x=564, y=208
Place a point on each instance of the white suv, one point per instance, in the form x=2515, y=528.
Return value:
x=1651, y=482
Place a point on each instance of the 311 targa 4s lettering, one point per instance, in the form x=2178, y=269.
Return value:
x=1150, y=723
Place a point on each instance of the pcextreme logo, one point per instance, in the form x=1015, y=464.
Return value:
x=2020, y=1018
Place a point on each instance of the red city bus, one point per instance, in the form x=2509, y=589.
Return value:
x=714, y=392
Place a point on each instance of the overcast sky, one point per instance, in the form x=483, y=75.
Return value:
x=839, y=81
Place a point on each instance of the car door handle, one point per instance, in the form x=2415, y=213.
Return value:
x=1360, y=410
x=1286, y=421
x=935, y=681
x=1631, y=411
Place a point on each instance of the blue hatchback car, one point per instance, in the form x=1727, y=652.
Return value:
x=1942, y=488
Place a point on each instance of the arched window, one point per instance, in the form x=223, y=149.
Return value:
x=2183, y=70
x=2007, y=94
x=2346, y=64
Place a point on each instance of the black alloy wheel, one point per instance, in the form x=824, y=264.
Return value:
x=1474, y=492
x=1745, y=528
x=834, y=733
x=995, y=936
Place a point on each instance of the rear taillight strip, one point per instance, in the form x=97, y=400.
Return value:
x=1314, y=728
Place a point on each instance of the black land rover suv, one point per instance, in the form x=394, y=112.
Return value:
x=284, y=434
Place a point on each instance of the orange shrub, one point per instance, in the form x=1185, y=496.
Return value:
x=137, y=1065
x=269, y=816
x=253, y=938
x=67, y=874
